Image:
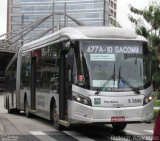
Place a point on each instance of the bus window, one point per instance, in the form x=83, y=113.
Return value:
x=47, y=69
x=25, y=70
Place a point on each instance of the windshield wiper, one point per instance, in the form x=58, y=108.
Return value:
x=112, y=77
x=136, y=90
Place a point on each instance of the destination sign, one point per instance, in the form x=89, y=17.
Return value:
x=103, y=48
x=114, y=49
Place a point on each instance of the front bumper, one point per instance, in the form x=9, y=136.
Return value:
x=82, y=114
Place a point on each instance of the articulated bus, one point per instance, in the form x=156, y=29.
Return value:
x=83, y=75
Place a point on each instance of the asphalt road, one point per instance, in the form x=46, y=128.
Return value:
x=20, y=128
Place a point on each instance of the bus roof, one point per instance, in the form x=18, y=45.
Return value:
x=85, y=33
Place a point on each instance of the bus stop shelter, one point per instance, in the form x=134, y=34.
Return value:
x=5, y=58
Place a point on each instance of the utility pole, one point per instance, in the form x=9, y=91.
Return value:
x=53, y=17
x=22, y=24
x=65, y=13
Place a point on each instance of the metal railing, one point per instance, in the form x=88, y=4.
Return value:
x=13, y=43
x=17, y=37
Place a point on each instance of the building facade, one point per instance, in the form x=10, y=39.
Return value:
x=89, y=12
x=113, y=12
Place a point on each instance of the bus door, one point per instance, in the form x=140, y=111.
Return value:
x=62, y=90
x=66, y=63
x=33, y=83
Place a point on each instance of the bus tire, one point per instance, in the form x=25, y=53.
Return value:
x=27, y=113
x=55, y=119
x=10, y=111
x=17, y=112
x=119, y=126
x=6, y=104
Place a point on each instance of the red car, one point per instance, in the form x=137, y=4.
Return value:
x=156, y=131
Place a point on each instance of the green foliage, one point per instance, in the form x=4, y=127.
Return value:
x=155, y=69
x=142, y=31
x=155, y=40
x=136, y=11
x=151, y=15
x=155, y=114
x=156, y=102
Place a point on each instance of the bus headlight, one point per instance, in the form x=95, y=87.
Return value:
x=148, y=99
x=81, y=99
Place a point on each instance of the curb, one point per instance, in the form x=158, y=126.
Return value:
x=1, y=129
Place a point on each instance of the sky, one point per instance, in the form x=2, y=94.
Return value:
x=122, y=12
x=3, y=16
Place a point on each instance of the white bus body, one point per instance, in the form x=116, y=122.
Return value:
x=84, y=75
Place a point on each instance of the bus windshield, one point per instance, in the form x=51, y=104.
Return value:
x=122, y=63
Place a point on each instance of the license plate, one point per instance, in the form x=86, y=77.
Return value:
x=118, y=119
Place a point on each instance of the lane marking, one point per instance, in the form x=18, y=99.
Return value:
x=42, y=136
x=78, y=136
x=37, y=133
x=149, y=131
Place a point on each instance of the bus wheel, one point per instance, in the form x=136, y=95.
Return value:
x=17, y=111
x=27, y=109
x=6, y=106
x=119, y=126
x=10, y=111
x=55, y=119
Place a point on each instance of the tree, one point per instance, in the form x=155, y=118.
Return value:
x=150, y=15
x=142, y=31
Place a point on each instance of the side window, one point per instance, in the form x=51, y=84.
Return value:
x=25, y=70
x=47, y=68
x=77, y=69
x=10, y=78
x=70, y=65
x=14, y=74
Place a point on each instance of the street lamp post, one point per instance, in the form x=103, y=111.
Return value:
x=53, y=17
x=65, y=12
